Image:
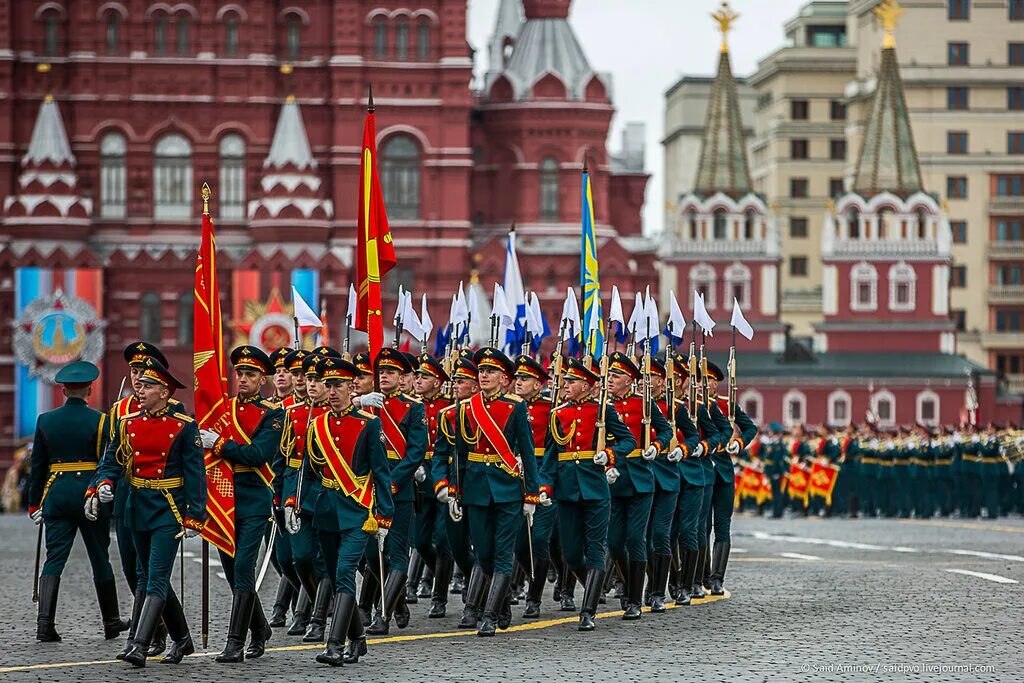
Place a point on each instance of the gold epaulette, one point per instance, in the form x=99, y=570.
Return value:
x=515, y=398
x=268, y=404
x=366, y=414
x=411, y=397
x=131, y=415
x=173, y=402
x=183, y=417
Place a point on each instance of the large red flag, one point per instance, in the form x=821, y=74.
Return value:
x=211, y=388
x=375, y=253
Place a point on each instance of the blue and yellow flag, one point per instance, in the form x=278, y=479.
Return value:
x=590, y=283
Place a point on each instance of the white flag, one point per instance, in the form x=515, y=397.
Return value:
x=426, y=324
x=634, y=317
x=350, y=315
x=615, y=309
x=410, y=320
x=459, y=312
x=400, y=306
x=676, y=321
x=739, y=322
x=534, y=318
x=303, y=313
x=652, y=323
x=700, y=314
x=500, y=309
x=571, y=314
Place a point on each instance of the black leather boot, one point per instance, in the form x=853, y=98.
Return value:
x=344, y=606
x=705, y=574
x=458, y=582
x=159, y=643
x=637, y=573
x=720, y=560
x=177, y=630
x=474, y=597
x=567, y=600
x=495, y=599
x=283, y=600
x=674, y=570
x=696, y=585
x=140, y=598
x=686, y=573
x=49, y=587
x=426, y=586
x=318, y=617
x=443, y=568
x=413, y=581
x=356, y=645
x=300, y=615
x=536, y=592
x=369, y=592
x=113, y=624
x=592, y=588
x=152, y=608
x=259, y=631
x=660, y=565
x=394, y=590
x=241, y=615
x=518, y=577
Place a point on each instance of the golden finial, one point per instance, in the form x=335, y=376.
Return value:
x=474, y=277
x=725, y=17
x=290, y=99
x=205, y=193
x=286, y=69
x=48, y=98
x=888, y=12
x=43, y=68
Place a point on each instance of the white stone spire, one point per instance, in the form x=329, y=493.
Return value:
x=49, y=138
x=290, y=145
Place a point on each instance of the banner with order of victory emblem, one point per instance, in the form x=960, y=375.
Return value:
x=262, y=315
x=58, y=318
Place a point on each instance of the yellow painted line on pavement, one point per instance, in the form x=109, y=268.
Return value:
x=527, y=626
x=965, y=525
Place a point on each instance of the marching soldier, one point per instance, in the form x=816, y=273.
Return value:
x=404, y=425
x=69, y=442
x=284, y=396
x=302, y=484
x=165, y=475
x=250, y=445
x=284, y=383
x=633, y=493
x=430, y=377
x=529, y=386
x=992, y=467
x=346, y=449
x=577, y=477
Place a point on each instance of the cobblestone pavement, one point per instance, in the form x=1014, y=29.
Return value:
x=809, y=600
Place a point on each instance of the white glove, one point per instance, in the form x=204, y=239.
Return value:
x=601, y=458
x=92, y=508
x=374, y=399
x=105, y=493
x=454, y=511
x=528, y=510
x=545, y=499
x=699, y=450
x=37, y=516
x=190, y=532
x=208, y=437
x=651, y=453
x=975, y=439
x=733, y=448
x=421, y=474
x=611, y=474
x=442, y=495
x=292, y=521
x=676, y=455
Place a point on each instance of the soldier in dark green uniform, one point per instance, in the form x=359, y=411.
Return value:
x=250, y=443
x=776, y=465
x=992, y=467
x=164, y=468
x=578, y=476
x=69, y=443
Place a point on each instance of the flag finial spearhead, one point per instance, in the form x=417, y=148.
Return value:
x=206, y=194
x=369, y=100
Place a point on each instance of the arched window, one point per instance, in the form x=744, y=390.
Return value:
x=292, y=30
x=719, y=225
x=549, y=190
x=112, y=175
x=794, y=408
x=902, y=287
x=737, y=286
x=402, y=39
x=853, y=223
x=691, y=225
x=51, y=32
x=922, y=224
x=753, y=405
x=928, y=404
x=113, y=33
x=149, y=317
x=380, y=37
x=423, y=39
x=186, y=312
x=702, y=281
x=400, y=177
x=883, y=407
x=749, y=225
x=863, y=287
x=160, y=34
x=182, y=25
x=231, y=35
x=886, y=226
x=839, y=408
x=232, y=177
x=172, y=178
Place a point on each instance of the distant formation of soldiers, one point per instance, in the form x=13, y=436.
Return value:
x=473, y=474
x=866, y=471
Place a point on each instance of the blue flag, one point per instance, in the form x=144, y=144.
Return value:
x=589, y=281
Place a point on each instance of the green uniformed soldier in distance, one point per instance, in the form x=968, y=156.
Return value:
x=68, y=444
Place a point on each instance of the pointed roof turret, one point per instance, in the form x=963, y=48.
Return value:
x=723, y=165
x=506, y=30
x=888, y=159
x=49, y=139
x=290, y=176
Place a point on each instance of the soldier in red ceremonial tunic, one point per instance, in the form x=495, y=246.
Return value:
x=249, y=442
x=284, y=383
x=166, y=476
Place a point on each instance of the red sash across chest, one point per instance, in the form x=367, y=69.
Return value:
x=540, y=416
x=149, y=440
x=489, y=418
x=245, y=418
x=578, y=422
x=336, y=438
x=390, y=417
x=631, y=412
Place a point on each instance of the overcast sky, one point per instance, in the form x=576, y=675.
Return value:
x=647, y=45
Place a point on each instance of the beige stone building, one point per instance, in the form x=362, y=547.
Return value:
x=962, y=64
